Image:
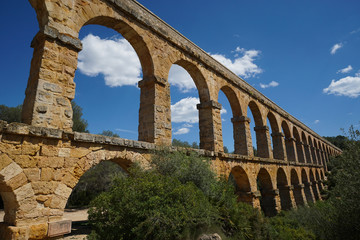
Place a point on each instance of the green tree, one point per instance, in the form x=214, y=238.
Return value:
x=109, y=133
x=10, y=114
x=96, y=180
x=185, y=144
x=149, y=205
x=339, y=141
x=79, y=124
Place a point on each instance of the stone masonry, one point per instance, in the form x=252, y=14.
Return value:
x=41, y=159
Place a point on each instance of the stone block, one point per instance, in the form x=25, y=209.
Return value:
x=10, y=171
x=38, y=231
x=32, y=174
x=59, y=228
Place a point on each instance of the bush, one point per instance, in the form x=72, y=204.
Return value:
x=148, y=205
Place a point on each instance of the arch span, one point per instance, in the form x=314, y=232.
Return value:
x=307, y=189
x=284, y=189
x=267, y=199
x=242, y=184
x=299, y=200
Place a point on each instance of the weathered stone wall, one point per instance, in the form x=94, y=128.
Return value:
x=42, y=160
x=39, y=167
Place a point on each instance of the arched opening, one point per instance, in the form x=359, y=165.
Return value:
x=111, y=64
x=267, y=199
x=276, y=139
x=314, y=185
x=297, y=188
x=241, y=182
x=299, y=146
x=258, y=131
x=307, y=189
x=284, y=189
x=319, y=181
x=96, y=180
x=306, y=148
x=189, y=113
x=312, y=149
x=289, y=143
x=184, y=114
x=229, y=121
x=316, y=150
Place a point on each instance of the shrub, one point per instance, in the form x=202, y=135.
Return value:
x=148, y=205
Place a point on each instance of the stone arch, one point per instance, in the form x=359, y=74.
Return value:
x=261, y=130
x=255, y=110
x=132, y=36
x=314, y=185
x=312, y=149
x=277, y=139
x=299, y=200
x=308, y=192
x=45, y=49
x=306, y=148
x=242, y=184
x=319, y=180
x=299, y=146
x=284, y=189
x=16, y=193
x=238, y=137
x=123, y=158
x=267, y=199
x=289, y=142
x=198, y=78
x=316, y=150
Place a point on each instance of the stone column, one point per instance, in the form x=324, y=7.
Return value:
x=292, y=196
x=286, y=197
x=210, y=126
x=314, y=158
x=263, y=142
x=316, y=188
x=300, y=152
x=51, y=86
x=279, y=146
x=319, y=157
x=291, y=150
x=309, y=192
x=155, y=111
x=323, y=156
x=307, y=153
x=242, y=136
x=299, y=194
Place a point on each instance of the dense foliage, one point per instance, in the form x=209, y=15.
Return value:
x=179, y=198
x=338, y=217
x=95, y=181
x=339, y=141
x=10, y=114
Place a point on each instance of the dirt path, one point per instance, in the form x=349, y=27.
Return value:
x=79, y=218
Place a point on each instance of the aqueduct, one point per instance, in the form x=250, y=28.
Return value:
x=42, y=159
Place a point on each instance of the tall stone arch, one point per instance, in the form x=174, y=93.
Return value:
x=279, y=151
x=289, y=142
x=284, y=189
x=298, y=188
x=268, y=193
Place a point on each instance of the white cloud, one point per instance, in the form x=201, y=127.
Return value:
x=243, y=66
x=223, y=111
x=113, y=58
x=316, y=121
x=336, y=47
x=180, y=78
x=345, y=70
x=182, y=131
x=185, y=110
x=348, y=86
x=271, y=84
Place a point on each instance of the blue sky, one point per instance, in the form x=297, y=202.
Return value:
x=303, y=55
